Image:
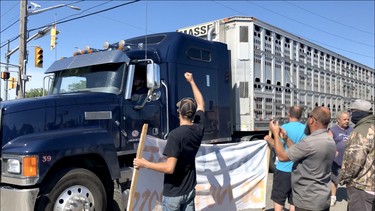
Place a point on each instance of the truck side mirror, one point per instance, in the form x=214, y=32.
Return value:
x=153, y=76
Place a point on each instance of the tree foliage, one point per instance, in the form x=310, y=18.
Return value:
x=34, y=93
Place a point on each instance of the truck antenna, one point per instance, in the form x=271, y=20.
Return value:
x=146, y=32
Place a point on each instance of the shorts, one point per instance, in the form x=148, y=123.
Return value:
x=177, y=203
x=335, y=172
x=282, y=187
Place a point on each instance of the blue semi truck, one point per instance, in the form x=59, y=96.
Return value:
x=71, y=149
x=65, y=150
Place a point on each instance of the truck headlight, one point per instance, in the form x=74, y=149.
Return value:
x=25, y=166
x=19, y=170
x=14, y=166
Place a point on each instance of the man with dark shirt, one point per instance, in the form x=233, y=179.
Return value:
x=340, y=133
x=182, y=146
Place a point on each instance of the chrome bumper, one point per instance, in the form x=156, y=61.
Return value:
x=17, y=199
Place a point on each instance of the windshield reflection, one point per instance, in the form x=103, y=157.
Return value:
x=99, y=78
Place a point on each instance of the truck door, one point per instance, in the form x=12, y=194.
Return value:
x=142, y=105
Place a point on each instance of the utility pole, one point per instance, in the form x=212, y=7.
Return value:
x=7, y=70
x=22, y=53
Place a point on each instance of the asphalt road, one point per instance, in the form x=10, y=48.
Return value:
x=340, y=204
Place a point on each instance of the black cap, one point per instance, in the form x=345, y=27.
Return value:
x=187, y=107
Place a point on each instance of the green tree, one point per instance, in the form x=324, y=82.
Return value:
x=34, y=93
x=76, y=86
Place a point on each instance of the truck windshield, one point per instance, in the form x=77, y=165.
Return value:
x=99, y=78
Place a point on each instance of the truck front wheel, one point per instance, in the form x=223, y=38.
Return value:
x=73, y=189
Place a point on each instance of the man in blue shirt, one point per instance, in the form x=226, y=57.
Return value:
x=282, y=187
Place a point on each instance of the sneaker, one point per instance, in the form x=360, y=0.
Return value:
x=333, y=200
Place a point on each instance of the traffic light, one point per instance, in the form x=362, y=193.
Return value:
x=54, y=34
x=5, y=75
x=12, y=83
x=38, y=59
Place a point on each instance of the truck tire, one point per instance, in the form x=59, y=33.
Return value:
x=73, y=189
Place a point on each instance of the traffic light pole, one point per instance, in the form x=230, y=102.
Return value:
x=38, y=35
x=7, y=70
x=21, y=83
x=20, y=90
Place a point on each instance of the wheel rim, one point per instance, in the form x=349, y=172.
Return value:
x=75, y=198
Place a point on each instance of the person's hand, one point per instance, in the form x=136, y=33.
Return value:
x=283, y=134
x=139, y=163
x=268, y=138
x=189, y=77
x=274, y=127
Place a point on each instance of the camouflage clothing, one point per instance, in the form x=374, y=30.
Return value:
x=358, y=166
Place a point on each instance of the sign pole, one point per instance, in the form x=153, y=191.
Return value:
x=136, y=171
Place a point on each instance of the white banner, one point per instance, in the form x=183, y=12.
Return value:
x=229, y=176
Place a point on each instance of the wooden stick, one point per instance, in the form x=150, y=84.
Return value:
x=268, y=164
x=136, y=171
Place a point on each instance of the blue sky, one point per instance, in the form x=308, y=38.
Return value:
x=345, y=27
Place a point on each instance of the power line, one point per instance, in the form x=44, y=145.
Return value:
x=2, y=17
x=11, y=40
x=83, y=16
x=85, y=9
x=9, y=26
x=300, y=36
x=312, y=40
x=311, y=26
x=9, y=9
x=230, y=8
x=343, y=24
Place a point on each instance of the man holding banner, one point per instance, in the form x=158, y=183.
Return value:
x=182, y=146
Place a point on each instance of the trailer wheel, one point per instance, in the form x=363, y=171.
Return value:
x=73, y=189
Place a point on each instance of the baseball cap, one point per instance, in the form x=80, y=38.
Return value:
x=187, y=107
x=362, y=105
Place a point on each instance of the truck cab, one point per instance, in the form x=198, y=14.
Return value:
x=81, y=136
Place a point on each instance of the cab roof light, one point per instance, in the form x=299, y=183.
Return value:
x=121, y=45
x=91, y=50
x=78, y=52
x=106, y=45
x=88, y=49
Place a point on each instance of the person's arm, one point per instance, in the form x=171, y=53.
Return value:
x=270, y=141
x=354, y=157
x=330, y=133
x=164, y=167
x=279, y=149
x=197, y=94
x=285, y=137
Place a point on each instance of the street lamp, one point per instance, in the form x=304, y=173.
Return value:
x=20, y=90
x=50, y=8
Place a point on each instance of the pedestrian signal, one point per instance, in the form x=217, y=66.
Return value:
x=12, y=83
x=54, y=34
x=38, y=59
x=5, y=75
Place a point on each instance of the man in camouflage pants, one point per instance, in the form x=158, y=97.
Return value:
x=358, y=166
